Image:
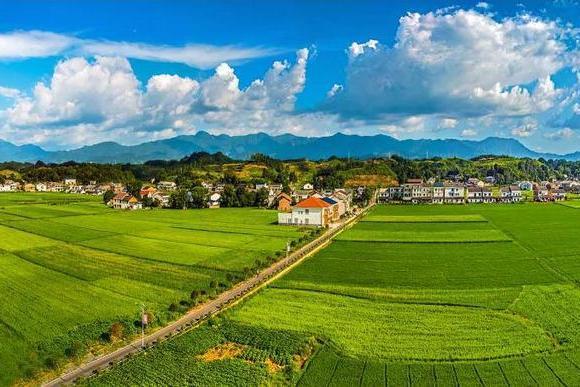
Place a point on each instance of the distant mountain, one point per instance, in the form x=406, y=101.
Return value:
x=11, y=152
x=285, y=146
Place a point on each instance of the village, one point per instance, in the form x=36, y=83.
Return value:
x=306, y=205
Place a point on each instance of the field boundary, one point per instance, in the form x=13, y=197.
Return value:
x=196, y=316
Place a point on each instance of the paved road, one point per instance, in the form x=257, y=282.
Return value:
x=204, y=311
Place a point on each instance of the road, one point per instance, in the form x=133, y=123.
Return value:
x=210, y=308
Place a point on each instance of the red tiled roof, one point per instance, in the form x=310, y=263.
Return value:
x=313, y=202
x=120, y=196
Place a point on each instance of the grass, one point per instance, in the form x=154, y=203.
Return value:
x=396, y=331
x=476, y=295
x=72, y=267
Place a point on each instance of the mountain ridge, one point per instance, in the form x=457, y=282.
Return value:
x=284, y=146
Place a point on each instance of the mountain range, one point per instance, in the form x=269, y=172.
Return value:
x=284, y=146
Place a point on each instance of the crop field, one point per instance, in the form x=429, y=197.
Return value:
x=438, y=295
x=423, y=296
x=72, y=268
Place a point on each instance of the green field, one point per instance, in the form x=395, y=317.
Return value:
x=71, y=268
x=424, y=296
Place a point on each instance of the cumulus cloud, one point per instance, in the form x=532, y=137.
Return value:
x=447, y=123
x=482, y=5
x=562, y=134
x=469, y=132
x=462, y=63
x=525, y=130
x=102, y=98
x=34, y=44
x=79, y=92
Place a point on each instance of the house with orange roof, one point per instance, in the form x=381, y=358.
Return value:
x=312, y=211
x=125, y=201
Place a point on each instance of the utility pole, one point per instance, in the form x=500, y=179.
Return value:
x=143, y=322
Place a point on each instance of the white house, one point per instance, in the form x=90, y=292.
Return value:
x=312, y=212
x=307, y=187
x=166, y=186
x=41, y=187
x=125, y=201
x=214, y=200
x=526, y=185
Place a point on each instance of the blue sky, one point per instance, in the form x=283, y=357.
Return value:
x=75, y=73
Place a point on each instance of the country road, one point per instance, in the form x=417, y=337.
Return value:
x=202, y=312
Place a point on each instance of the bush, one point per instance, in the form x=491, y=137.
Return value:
x=74, y=350
x=173, y=307
x=116, y=331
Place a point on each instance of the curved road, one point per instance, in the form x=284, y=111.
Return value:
x=195, y=316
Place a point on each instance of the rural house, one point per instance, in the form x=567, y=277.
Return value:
x=284, y=202
x=312, y=211
x=125, y=201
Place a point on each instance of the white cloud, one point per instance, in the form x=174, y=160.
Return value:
x=95, y=100
x=468, y=132
x=525, y=130
x=482, y=5
x=447, y=123
x=196, y=55
x=34, y=44
x=462, y=63
x=334, y=90
x=8, y=92
x=79, y=92
x=356, y=49
x=562, y=134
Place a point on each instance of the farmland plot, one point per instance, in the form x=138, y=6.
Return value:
x=431, y=295
x=72, y=268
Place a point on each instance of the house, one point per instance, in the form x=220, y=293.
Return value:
x=260, y=186
x=558, y=195
x=541, y=194
x=454, y=194
x=474, y=195
x=9, y=186
x=166, y=186
x=308, y=187
x=41, y=187
x=390, y=194
x=312, y=212
x=415, y=191
x=147, y=192
x=214, y=200
x=334, y=209
x=284, y=202
x=526, y=185
x=275, y=188
x=344, y=199
x=490, y=179
x=510, y=194
x=163, y=199
x=125, y=201
x=70, y=182
x=29, y=187
x=301, y=195
x=475, y=182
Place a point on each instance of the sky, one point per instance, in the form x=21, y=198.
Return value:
x=77, y=73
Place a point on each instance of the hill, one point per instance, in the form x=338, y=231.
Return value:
x=284, y=146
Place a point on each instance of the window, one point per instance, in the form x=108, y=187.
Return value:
x=306, y=211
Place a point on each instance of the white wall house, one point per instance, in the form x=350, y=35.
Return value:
x=309, y=212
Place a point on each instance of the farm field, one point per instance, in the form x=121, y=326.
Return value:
x=444, y=305
x=72, y=269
